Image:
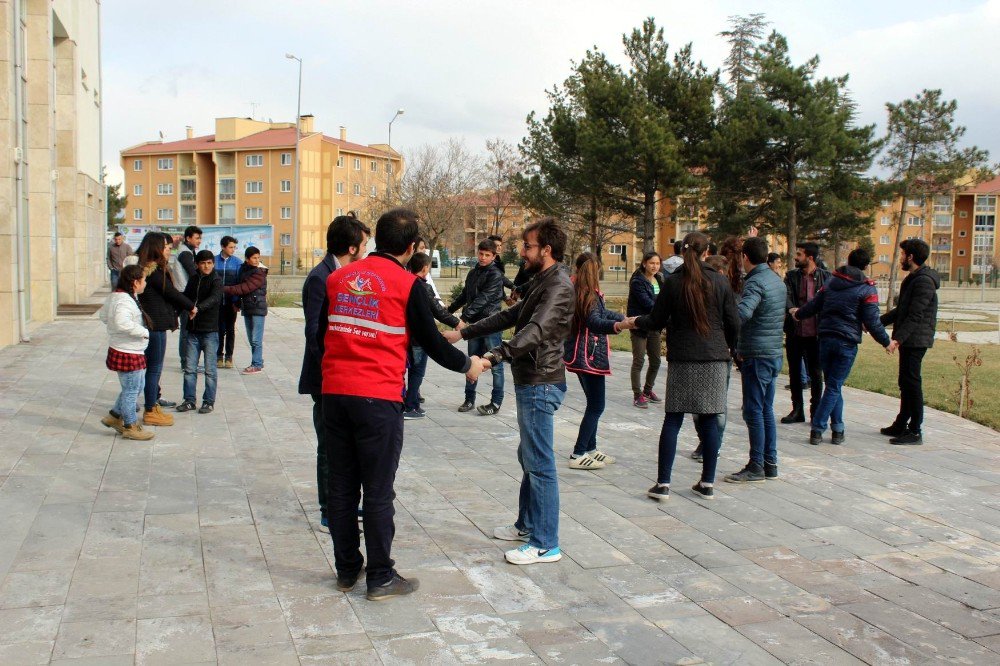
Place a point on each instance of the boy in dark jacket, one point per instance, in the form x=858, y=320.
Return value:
x=913, y=321
x=846, y=302
x=205, y=291
x=251, y=292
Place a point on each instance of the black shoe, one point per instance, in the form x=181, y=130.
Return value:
x=660, y=491
x=908, y=438
x=696, y=455
x=467, y=406
x=397, y=586
x=837, y=438
x=750, y=473
x=185, y=406
x=488, y=410
x=345, y=582
x=815, y=437
x=795, y=416
x=893, y=430
x=206, y=408
x=166, y=403
x=411, y=414
x=704, y=492
x=421, y=400
x=770, y=471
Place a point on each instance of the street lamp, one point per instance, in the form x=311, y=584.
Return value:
x=388, y=160
x=295, y=195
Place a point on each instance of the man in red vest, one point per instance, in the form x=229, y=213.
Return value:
x=376, y=308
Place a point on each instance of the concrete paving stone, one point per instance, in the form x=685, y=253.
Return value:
x=404, y=615
x=35, y=588
x=757, y=581
x=791, y=643
x=415, y=648
x=500, y=650
x=237, y=627
x=29, y=627
x=272, y=654
x=738, y=611
x=173, y=640
x=780, y=560
x=118, y=660
x=320, y=617
x=106, y=576
x=95, y=638
x=172, y=605
x=831, y=588
x=938, y=608
x=99, y=607
x=716, y=642
x=636, y=641
x=861, y=639
x=961, y=589
x=28, y=652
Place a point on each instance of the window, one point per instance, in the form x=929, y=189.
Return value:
x=255, y=213
x=340, y=211
x=374, y=165
x=255, y=160
x=985, y=222
x=961, y=253
x=357, y=188
x=961, y=234
x=883, y=258
x=616, y=249
x=286, y=212
x=187, y=212
x=357, y=164
x=914, y=221
x=286, y=239
x=286, y=186
x=374, y=191
x=286, y=159
x=137, y=214
x=884, y=240
x=340, y=188
x=136, y=165
x=942, y=220
x=942, y=204
x=886, y=203
x=164, y=213
x=165, y=188
x=885, y=220
x=915, y=202
x=137, y=190
x=388, y=167
x=227, y=213
x=340, y=161
x=962, y=214
x=255, y=186
x=165, y=164
x=986, y=203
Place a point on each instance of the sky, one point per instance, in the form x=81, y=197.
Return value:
x=474, y=69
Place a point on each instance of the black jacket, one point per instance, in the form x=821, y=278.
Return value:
x=482, y=295
x=541, y=321
x=205, y=291
x=684, y=343
x=914, y=319
x=437, y=310
x=503, y=273
x=847, y=301
x=315, y=307
x=161, y=301
x=641, y=298
x=793, y=282
x=251, y=290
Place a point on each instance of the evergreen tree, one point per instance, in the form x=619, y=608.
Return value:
x=116, y=205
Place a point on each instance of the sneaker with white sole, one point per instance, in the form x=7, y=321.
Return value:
x=661, y=491
x=602, y=457
x=528, y=554
x=510, y=533
x=585, y=462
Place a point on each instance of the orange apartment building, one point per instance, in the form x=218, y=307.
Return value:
x=244, y=174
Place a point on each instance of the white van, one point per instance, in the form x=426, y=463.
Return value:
x=436, y=264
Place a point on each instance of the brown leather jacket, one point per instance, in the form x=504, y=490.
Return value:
x=541, y=321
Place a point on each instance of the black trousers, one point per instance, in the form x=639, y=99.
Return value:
x=911, y=388
x=322, y=469
x=227, y=330
x=807, y=349
x=365, y=437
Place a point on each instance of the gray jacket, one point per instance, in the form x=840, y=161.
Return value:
x=762, y=314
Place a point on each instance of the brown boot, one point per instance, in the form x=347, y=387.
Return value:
x=157, y=417
x=111, y=422
x=135, y=431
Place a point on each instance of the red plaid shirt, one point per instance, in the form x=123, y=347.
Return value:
x=120, y=361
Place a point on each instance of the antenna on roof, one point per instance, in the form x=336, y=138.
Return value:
x=253, y=109
x=161, y=135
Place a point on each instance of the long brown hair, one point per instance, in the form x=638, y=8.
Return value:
x=151, y=250
x=732, y=250
x=694, y=284
x=586, y=284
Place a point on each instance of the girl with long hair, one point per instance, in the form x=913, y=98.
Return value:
x=643, y=289
x=698, y=309
x=588, y=355
x=732, y=249
x=126, y=350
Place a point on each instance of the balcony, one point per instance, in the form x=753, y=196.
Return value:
x=941, y=247
x=941, y=227
x=189, y=171
x=189, y=220
x=187, y=196
x=227, y=220
x=227, y=196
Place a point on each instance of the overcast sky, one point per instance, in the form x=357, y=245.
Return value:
x=475, y=69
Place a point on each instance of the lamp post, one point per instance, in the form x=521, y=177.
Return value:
x=295, y=195
x=388, y=160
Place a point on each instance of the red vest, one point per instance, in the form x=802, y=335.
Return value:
x=366, y=336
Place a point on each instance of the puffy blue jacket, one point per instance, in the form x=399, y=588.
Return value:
x=640, y=294
x=848, y=300
x=762, y=314
x=588, y=351
x=228, y=268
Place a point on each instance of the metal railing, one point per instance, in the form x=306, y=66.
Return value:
x=187, y=196
x=226, y=196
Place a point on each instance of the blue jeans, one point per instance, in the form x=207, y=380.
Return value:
x=836, y=357
x=415, y=377
x=538, y=503
x=255, y=336
x=114, y=278
x=760, y=375
x=155, y=351
x=198, y=343
x=709, y=442
x=478, y=347
x=132, y=384
x=593, y=388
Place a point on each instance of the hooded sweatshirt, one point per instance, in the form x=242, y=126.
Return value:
x=847, y=301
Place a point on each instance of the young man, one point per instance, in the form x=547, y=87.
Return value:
x=205, y=291
x=671, y=264
x=377, y=309
x=762, y=314
x=420, y=265
x=541, y=321
x=346, y=239
x=251, y=295
x=182, y=269
x=802, y=337
x=481, y=298
x=847, y=301
x=913, y=321
x=118, y=249
x=774, y=263
x=227, y=266
x=507, y=283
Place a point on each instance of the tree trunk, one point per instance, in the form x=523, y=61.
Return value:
x=793, y=224
x=890, y=298
x=836, y=251
x=649, y=222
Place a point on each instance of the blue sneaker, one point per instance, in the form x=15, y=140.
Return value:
x=528, y=554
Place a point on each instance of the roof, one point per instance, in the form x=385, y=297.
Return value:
x=272, y=138
x=991, y=186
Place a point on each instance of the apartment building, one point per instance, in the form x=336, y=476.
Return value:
x=52, y=224
x=244, y=173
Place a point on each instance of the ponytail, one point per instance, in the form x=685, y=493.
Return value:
x=694, y=284
x=586, y=285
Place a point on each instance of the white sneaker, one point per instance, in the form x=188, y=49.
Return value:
x=510, y=533
x=585, y=462
x=602, y=457
x=528, y=554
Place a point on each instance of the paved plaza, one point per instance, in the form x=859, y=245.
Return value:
x=199, y=547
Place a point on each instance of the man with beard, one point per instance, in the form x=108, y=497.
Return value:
x=913, y=321
x=541, y=321
x=802, y=337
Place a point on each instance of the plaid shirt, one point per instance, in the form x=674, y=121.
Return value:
x=120, y=361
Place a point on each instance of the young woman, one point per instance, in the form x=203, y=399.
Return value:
x=252, y=292
x=732, y=250
x=126, y=350
x=587, y=354
x=160, y=301
x=643, y=289
x=698, y=309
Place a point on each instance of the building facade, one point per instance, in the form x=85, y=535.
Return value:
x=53, y=211
x=244, y=173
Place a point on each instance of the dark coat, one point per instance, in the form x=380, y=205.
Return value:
x=588, y=351
x=684, y=343
x=161, y=301
x=793, y=283
x=847, y=301
x=482, y=295
x=914, y=319
x=205, y=291
x=641, y=298
x=438, y=310
x=315, y=307
x=762, y=314
x=251, y=290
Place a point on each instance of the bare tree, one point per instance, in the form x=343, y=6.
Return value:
x=503, y=163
